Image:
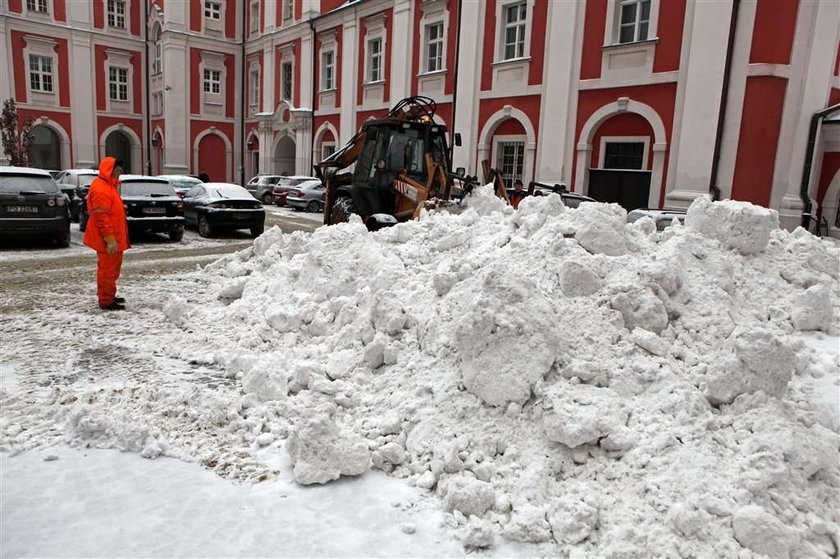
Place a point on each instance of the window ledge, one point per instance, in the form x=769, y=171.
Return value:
x=633, y=44
x=120, y=30
x=512, y=61
x=40, y=92
x=121, y=101
x=433, y=73
x=377, y=82
x=215, y=103
x=332, y=89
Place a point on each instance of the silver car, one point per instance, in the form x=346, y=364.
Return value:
x=307, y=196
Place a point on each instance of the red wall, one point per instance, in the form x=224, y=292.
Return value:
x=230, y=86
x=627, y=124
x=488, y=52
x=332, y=119
x=670, y=32
x=757, y=144
x=99, y=14
x=15, y=6
x=197, y=15
x=537, y=54
x=134, y=10
x=60, y=10
x=196, y=83
x=775, y=25
x=330, y=5
x=593, y=39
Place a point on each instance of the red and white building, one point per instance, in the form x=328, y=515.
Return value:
x=647, y=102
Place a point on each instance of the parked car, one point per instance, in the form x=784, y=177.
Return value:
x=181, y=183
x=262, y=186
x=307, y=196
x=151, y=205
x=32, y=205
x=663, y=218
x=281, y=189
x=215, y=206
x=570, y=199
x=74, y=183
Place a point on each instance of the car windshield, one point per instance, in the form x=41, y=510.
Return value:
x=269, y=180
x=85, y=180
x=184, y=183
x=15, y=184
x=231, y=191
x=141, y=188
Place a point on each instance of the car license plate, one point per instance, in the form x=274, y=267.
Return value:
x=154, y=211
x=22, y=209
x=241, y=216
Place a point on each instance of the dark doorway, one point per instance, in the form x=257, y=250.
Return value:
x=46, y=148
x=118, y=146
x=628, y=188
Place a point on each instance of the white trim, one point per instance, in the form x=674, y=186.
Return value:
x=487, y=133
x=133, y=139
x=281, y=134
x=587, y=133
x=228, y=150
x=126, y=17
x=611, y=28
x=215, y=27
x=602, y=148
x=510, y=139
x=501, y=24
x=120, y=60
x=44, y=48
x=322, y=130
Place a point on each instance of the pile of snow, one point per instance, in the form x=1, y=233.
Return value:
x=554, y=375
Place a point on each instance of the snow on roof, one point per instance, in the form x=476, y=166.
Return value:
x=23, y=171
x=144, y=178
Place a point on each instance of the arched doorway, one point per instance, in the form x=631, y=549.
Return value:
x=284, y=156
x=118, y=146
x=46, y=148
x=212, y=157
x=508, y=151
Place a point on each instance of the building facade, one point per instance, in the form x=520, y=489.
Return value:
x=643, y=102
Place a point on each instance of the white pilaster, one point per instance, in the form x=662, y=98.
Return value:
x=176, y=106
x=304, y=60
x=270, y=14
x=469, y=72
x=706, y=65
x=555, y=116
x=349, y=63
x=812, y=66
x=176, y=14
x=268, y=65
x=83, y=117
x=400, y=77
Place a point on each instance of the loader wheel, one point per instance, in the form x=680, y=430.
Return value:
x=342, y=210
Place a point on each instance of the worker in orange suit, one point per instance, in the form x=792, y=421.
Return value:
x=107, y=232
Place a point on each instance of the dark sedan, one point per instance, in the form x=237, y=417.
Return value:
x=215, y=206
x=32, y=205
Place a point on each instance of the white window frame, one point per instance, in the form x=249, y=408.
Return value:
x=325, y=84
x=211, y=77
x=254, y=15
x=122, y=60
x=45, y=48
x=501, y=7
x=114, y=18
x=522, y=28
x=371, y=56
x=40, y=73
x=157, y=50
x=121, y=87
x=602, y=153
x=612, y=28
x=637, y=22
x=327, y=144
x=288, y=11
x=214, y=26
x=213, y=10
x=213, y=103
x=254, y=87
x=157, y=103
x=500, y=140
x=32, y=7
x=291, y=65
x=440, y=42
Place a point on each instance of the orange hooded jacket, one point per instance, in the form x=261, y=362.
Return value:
x=106, y=210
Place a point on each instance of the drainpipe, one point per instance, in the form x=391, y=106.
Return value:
x=314, y=93
x=147, y=90
x=244, y=90
x=455, y=85
x=809, y=156
x=724, y=96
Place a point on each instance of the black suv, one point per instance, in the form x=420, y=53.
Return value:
x=32, y=205
x=150, y=205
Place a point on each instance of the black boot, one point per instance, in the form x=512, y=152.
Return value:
x=119, y=300
x=114, y=306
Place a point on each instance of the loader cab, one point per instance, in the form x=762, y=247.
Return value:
x=391, y=146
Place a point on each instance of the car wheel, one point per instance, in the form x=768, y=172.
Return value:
x=176, y=234
x=63, y=241
x=204, y=228
x=313, y=206
x=267, y=198
x=342, y=210
x=257, y=230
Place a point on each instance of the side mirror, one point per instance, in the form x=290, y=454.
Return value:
x=457, y=139
x=460, y=172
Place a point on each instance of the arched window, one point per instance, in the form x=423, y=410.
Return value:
x=157, y=61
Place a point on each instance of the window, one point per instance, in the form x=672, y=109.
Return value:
x=514, y=31
x=327, y=149
x=328, y=70
x=624, y=155
x=287, y=81
x=255, y=17
x=288, y=10
x=634, y=18
x=374, y=60
x=212, y=81
x=157, y=60
x=118, y=84
x=255, y=87
x=511, y=161
x=40, y=73
x=116, y=13
x=158, y=102
x=39, y=6
x=212, y=10
x=434, y=47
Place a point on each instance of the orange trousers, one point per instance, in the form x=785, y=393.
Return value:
x=108, y=268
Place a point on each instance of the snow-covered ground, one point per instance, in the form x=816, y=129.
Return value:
x=536, y=382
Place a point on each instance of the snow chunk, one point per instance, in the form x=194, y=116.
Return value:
x=468, y=496
x=578, y=279
x=573, y=517
x=603, y=232
x=642, y=308
x=528, y=524
x=582, y=414
x=478, y=533
x=763, y=533
x=266, y=379
x=320, y=452
x=741, y=226
x=812, y=309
